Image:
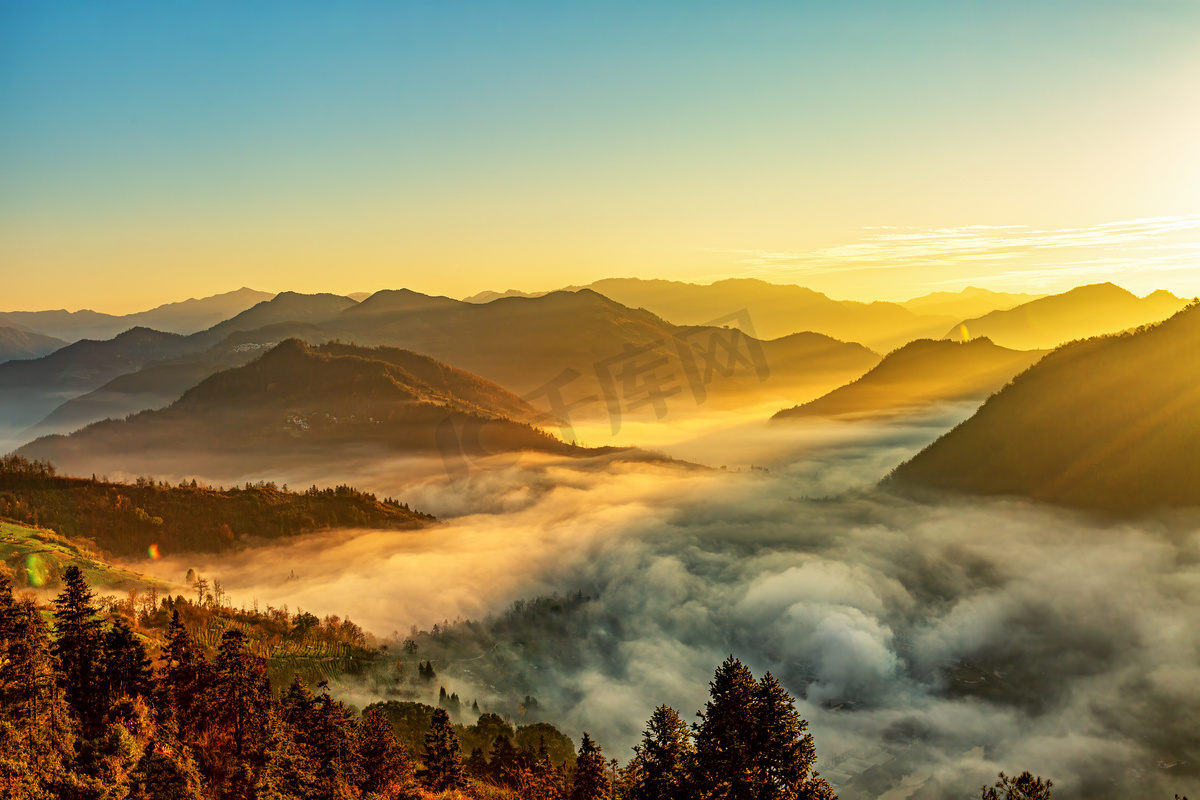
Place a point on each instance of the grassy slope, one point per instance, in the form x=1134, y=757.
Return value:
x=35, y=558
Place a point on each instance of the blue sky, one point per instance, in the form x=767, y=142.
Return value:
x=154, y=151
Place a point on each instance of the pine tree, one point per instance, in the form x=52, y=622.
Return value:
x=184, y=680
x=37, y=734
x=333, y=740
x=165, y=773
x=386, y=768
x=752, y=744
x=540, y=781
x=125, y=667
x=77, y=647
x=8, y=612
x=443, y=768
x=784, y=750
x=658, y=770
x=476, y=764
x=240, y=696
x=591, y=772
x=286, y=770
x=725, y=736
x=1023, y=787
x=504, y=764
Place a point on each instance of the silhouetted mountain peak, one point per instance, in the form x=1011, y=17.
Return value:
x=139, y=334
x=391, y=301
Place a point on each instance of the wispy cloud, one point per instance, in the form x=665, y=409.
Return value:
x=891, y=248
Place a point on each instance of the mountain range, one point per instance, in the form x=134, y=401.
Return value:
x=1107, y=424
x=918, y=375
x=18, y=343
x=780, y=309
x=187, y=316
x=970, y=302
x=581, y=339
x=1080, y=313
x=317, y=401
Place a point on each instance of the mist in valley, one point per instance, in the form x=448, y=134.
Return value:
x=928, y=644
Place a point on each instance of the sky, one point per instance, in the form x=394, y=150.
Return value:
x=871, y=150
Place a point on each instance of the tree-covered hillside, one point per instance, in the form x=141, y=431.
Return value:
x=92, y=707
x=127, y=519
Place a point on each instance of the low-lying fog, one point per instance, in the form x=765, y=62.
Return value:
x=944, y=642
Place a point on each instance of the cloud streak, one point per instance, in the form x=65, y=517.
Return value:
x=1021, y=254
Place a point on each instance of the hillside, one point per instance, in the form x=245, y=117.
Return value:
x=187, y=316
x=16, y=343
x=1081, y=313
x=1110, y=424
x=127, y=519
x=297, y=402
x=35, y=558
x=919, y=374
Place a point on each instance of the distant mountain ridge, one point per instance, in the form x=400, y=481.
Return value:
x=918, y=375
x=1109, y=424
x=18, y=343
x=970, y=302
x=187, y=316
x=776, y=309
x=518, y=343
x=1080, y=313
x=30, y=390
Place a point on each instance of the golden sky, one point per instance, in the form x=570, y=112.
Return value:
x=865, y=149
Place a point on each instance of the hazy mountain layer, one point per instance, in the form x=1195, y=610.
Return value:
x=1111, y=424
x=17, y=343
x=919, y=374
x=775, y=309
x=970, y=302
x=31, y=391
x=283, y=307
x=151, y=387
x=1078, y=314
x=187, y=316
x=578, y=338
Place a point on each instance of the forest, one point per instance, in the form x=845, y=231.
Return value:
x=127, y=518
x=88, y=709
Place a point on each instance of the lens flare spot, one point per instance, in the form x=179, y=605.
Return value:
x=36, y=570
x=964, y=335
x=152, y=550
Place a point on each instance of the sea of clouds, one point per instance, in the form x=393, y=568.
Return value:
x=930, y=644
